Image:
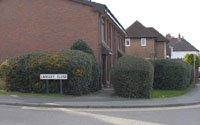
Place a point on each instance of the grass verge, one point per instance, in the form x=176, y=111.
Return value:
x=170, y=93
x=34, y=94
x=30, y=94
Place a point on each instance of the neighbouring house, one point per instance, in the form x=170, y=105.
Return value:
x=145, y=42
x=179, y=47
x=53, y=25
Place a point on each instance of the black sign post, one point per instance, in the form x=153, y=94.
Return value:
x=47, y=86
x=61, y=87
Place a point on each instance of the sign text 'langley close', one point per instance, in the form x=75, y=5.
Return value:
x=53, y=76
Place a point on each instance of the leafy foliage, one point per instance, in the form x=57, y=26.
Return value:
x=132, y=77
x=189, y=58
x=21, y=73
x=83, y=46
x=172, y=74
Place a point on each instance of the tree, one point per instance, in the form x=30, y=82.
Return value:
x=189, y=58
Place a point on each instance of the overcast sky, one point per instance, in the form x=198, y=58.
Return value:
x=167, y=16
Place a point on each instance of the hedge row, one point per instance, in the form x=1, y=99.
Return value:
x=172, y=74
x=21, y=73
x=132, y=77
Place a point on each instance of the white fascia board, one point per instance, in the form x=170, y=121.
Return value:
x=113, y=19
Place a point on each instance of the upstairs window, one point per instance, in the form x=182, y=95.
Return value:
x=127, y=42
x=143, y=42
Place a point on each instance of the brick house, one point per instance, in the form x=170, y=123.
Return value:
x=53, y=25
x=145, y=42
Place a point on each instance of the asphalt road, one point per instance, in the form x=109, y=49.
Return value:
x=187, y=115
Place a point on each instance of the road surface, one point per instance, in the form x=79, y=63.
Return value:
x=186, y=115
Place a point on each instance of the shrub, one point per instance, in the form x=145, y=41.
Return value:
x=132, y=77
x=189, y=72
x=21, y=73
x=2, y=85
x=83, y=46
x=172, y=74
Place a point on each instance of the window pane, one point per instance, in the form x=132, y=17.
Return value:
x=143, y=41
x=127, y=42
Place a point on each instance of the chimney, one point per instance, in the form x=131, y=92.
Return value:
x=179, y=37
x=168, y=36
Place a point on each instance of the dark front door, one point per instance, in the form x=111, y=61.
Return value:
x=104, y=70
x=106, y=65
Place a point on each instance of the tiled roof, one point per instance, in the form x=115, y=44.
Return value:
x=137, y=30
x=180, y=44
x=159, y=36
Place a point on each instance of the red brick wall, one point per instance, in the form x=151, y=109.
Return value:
x=136, y=49
x=45, y=25
x=160, y=48
x=115, y=41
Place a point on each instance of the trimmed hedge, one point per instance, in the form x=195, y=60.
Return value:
x=83, y=46
x=21, y=73
x=172, y=74
x=132, y=77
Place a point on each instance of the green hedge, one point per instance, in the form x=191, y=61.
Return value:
x=83, y=46
x=21, y=73
x=132, y=77
x=172, y=74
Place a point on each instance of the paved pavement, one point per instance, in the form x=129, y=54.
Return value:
x=102, y=99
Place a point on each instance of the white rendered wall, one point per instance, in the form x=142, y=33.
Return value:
x=181, y=54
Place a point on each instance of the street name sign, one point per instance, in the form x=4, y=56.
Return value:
x=53, y=76
x=48, y=77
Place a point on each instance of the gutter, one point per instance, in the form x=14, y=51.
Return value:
x=109, y=13
x=103, y=9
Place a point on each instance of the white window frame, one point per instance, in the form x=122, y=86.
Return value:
x=127, y=41
x=143, y=42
